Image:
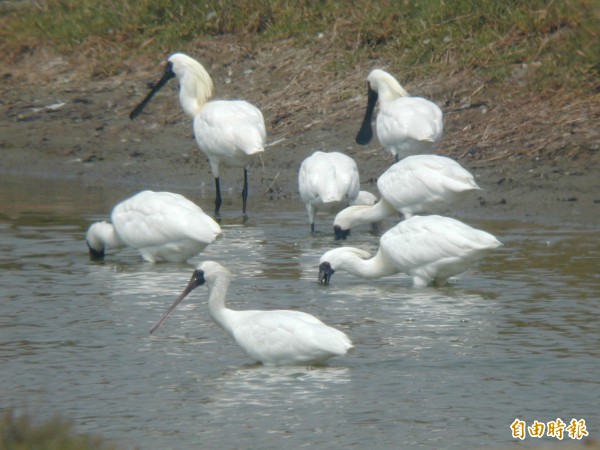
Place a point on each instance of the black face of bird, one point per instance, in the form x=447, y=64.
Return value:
x=325, y=273
x=95, y=255
x=365, y=134
x=155, y=88
x=339, y=233
x=196, y=280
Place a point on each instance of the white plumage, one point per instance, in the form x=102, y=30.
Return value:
x=328, y=182
x=413, y=185
x=430, y=249
x=281, y=337
x=405, y=125
x=162, y=226
x=365, y=198
x=229, y=132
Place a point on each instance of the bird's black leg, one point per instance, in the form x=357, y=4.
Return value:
x=245, y=192
x=218, y=198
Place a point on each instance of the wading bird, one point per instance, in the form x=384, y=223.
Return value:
x=328, y=182
x=405, y=125
x=430, y=249
x=162, y=226
x=230, y=132
x=280, y=337
x=413, y=185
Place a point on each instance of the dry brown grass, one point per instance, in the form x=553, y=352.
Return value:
x=299, y=87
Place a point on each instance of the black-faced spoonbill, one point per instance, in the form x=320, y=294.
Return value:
x=328, y=182
x=405, y=125
x=413, y=185
x=280, y=337
x=230, y=132
x=430, y=249
x=162, y=226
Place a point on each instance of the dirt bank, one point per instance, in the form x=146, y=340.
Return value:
x=536, y=156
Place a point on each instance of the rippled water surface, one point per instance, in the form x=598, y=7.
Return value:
x=452, y=367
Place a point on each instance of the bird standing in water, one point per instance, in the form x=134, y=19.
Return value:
x=413, y=185
x=279, y=337
x=229, y=132
x=430, y=249
x=327, y=181
x=162, y=226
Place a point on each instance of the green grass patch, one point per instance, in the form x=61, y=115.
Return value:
x=19, y=433
x=559, y=38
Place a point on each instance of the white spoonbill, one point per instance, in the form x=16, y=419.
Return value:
x=279, y=337
x=415, y=184
x=430, y=249
x=162, y=226
x=328, y=182
x=405, y=125
x=230, y=132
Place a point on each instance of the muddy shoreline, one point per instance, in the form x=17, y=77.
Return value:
x=73, y=127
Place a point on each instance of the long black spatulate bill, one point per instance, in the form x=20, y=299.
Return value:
x=166, y=77
x=365, y=134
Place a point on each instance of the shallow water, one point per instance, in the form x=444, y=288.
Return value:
x=518, y=336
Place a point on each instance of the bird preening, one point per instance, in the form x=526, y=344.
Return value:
x=229, y=132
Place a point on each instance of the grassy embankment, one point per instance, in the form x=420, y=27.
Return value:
x=559, y=39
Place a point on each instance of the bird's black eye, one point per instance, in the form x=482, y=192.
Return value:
x=199, y=276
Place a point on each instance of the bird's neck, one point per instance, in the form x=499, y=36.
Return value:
x=375, y=267
x=191, y=105
x=194, y=91
x=362, y=214
x=390, y=92
x=222, y=316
